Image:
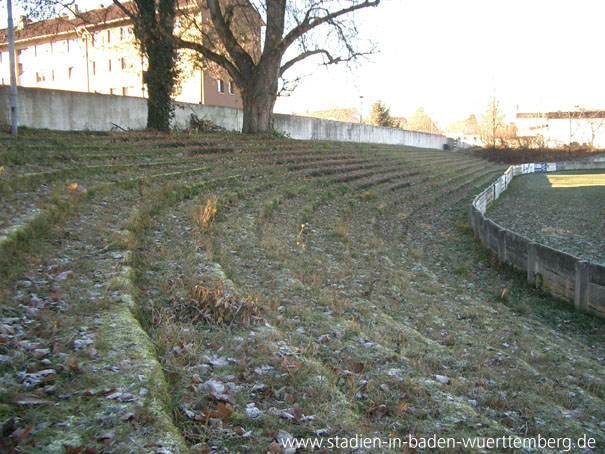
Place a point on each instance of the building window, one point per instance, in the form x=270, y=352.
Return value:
x=112, y=91
x=125, y=91
x=231, y=88
x=221, y=86
x=70, y=72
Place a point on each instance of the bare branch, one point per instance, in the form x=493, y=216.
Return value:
x=329, y=59
x=213, y=56
x=124, y=9
x=241, y=58
x=310, y=23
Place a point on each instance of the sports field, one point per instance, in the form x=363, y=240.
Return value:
x=562, y=210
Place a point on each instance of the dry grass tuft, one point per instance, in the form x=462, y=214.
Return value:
x=218, y=307
x=207, y=215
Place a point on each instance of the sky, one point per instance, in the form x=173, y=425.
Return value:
x=450, y=56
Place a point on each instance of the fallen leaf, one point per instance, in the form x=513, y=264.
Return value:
x=92, y=352
x=309, y=392
x=21, y=434
x=224, y=410
x=401, y=408
x=106, y=391
x=357, y=368
x=275, y=448
x=56, y=327
x=71, y=363
x=508, y=422
x=418, y=390
x=28, y=399
x=57, y=348
x=378, y=410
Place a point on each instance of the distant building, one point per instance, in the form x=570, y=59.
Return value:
x=559, y=129
x=471, y=139
x=95, y=52
x=399, y=122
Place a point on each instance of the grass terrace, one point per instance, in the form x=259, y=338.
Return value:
x=219, y=293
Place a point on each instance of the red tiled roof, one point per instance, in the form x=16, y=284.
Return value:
x=64, y=24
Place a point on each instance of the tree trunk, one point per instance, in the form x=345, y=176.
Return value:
x=259, y=98
x=154, y=27
x=159, y=79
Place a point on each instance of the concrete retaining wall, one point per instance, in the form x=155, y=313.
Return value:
x=563, y=275
x=74, y=111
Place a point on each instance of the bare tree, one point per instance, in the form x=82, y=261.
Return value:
x=573, y=117
x=492, y=122
x=595, y=120
x=422, y=122
x=311, y=27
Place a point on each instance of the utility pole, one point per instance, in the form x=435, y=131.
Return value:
x=13, y=77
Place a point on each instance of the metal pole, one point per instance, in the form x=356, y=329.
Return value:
x=360, y=115
x=13, y=77
x=360, y=109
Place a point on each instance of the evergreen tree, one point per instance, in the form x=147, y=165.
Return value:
x=380, y=115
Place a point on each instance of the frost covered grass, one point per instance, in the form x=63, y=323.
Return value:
x=369, y=308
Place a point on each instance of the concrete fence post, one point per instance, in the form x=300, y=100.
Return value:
x=502, y=246
x=485, y=233
x=532, y=263
x=581, y=287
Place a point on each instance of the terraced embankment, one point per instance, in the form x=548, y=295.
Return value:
x=369, y=307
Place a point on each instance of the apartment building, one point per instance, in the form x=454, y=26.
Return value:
x=95, y=52
x=562, y=128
